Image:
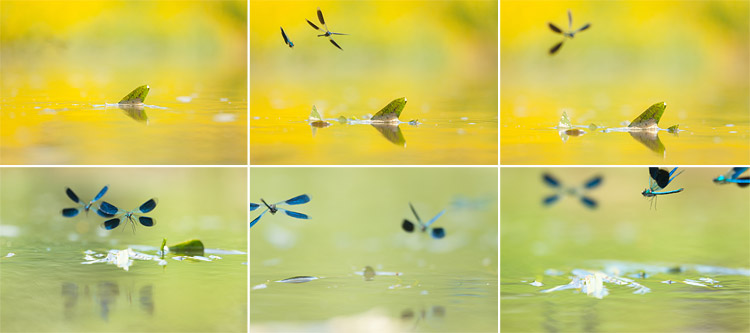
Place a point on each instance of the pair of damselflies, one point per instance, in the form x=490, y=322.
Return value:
x=587, y=201
x=274, y=208
x=325, y=32
x=110, y=211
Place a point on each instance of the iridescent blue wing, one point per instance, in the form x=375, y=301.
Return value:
x=101, y=193
x=111, y=224
x=70, y=212
x=437, y=233
x=107, y=210
x=295, y=214
x=736, y=172
x=551, y=199
x=254, y=221
x=431, y=221
x=588, y=202
x=550, y=180
x=146, y=221
x=72, y=195
x=594, y=182
x=298, y=200
x=254, y=206
x=286, y=39
x=675, y=176
x=148, y=205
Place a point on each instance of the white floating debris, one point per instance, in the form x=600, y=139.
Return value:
x=10, y=254
x=224, y=99
x=224, y=117
x=185, y=99
x=162, y=262
x=89, y=252
x=536, y=284
x=668, y=282
x=464, y=118
x=214, y=257
x=694, y=283
x=424, y=292
x=201, y=258
x=260, y=286
x=708, y=280
x=123, y=259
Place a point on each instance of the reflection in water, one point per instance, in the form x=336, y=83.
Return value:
x=392, y=133
x=437, y=311
x=590, y=318
x=549, y=313
x=146, y=299
x=107, y=294
x=70, y=298
x=137, y=112
x=650, y=139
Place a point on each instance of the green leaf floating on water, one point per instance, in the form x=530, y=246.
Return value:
x=564, y=121
x=136, y=96
x=191, y=247
x=650, y=117
x=314, y=114
x=390, y=112
x=674, y=128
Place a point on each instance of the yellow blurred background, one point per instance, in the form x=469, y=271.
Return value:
x=693, y=55
x=440, y=55
x=87, y=49
x=60, y=59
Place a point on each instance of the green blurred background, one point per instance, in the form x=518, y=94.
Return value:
x=692, y=55
x=61, y=58
x=46, y=273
